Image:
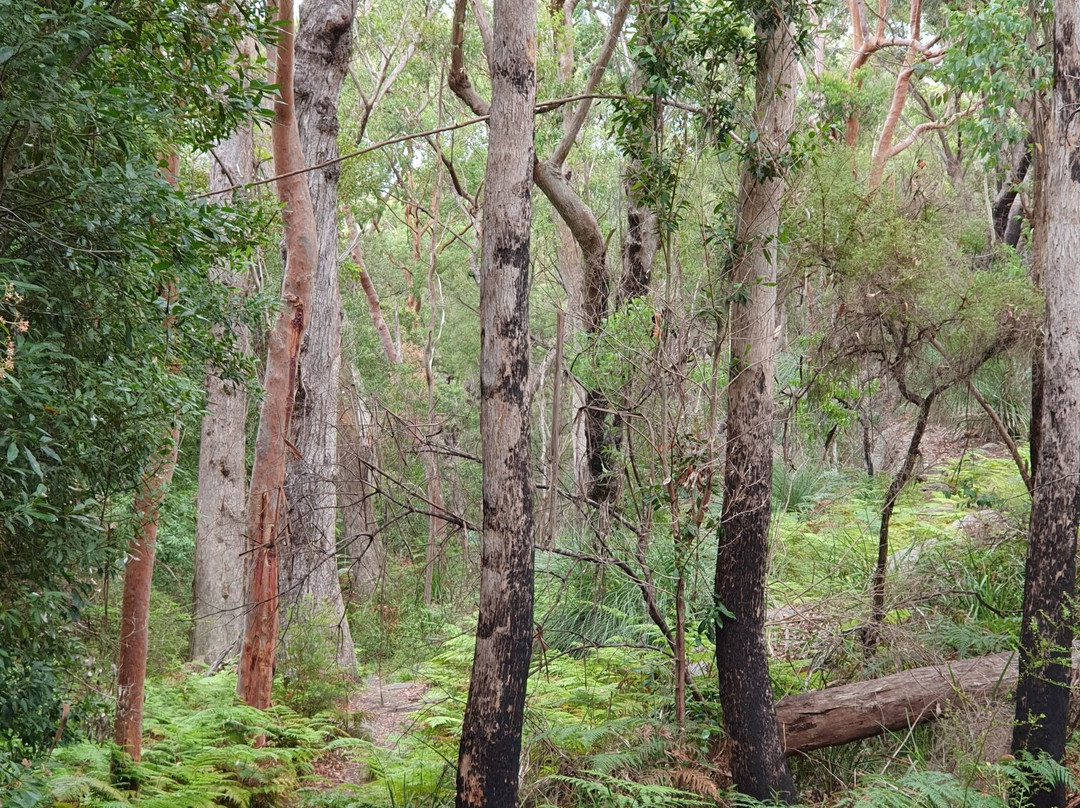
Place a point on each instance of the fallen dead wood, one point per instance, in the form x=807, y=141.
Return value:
x=846, y=713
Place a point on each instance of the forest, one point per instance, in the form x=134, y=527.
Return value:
x=592, y=403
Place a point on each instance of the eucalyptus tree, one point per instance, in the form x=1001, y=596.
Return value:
x=221, y=499
x=311, y=591
x=139, y=569
x=267, y=509
x=758, y=764
x=587, y=282
x=488, y=762
x=1042, y=693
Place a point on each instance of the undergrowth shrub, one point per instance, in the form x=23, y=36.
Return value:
x=584, y=604
x=309, y=679
x=393, y=628
x=198, y=753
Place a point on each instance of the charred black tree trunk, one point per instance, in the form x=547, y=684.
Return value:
x=491, y=734
x=1046, y=635
x=758, y=764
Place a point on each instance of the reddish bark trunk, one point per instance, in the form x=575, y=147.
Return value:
x=266, y=506
x=135, y=611
x=139, y=575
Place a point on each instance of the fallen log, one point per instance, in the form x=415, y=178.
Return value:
x=846, y=713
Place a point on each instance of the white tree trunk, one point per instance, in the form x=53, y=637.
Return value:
x=221, y=501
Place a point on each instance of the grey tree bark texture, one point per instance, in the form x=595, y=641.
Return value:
x=1046, y=634
x=309, y=583
x=491, y=734
x=221, y=501
x=356, y=495
x=758, y=764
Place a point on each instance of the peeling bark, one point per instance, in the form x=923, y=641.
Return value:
x=266, y=506
x=310, y=587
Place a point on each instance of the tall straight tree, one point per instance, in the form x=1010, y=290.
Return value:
x=221, y=500
x=491, y=734
x=309, y=571
x=758, y=763
x=1046, y=634
x=266, y=506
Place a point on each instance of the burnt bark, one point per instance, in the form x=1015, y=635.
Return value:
x=639, y=244
x=310, y=588
x=587, y=289
x=1046, y=634
x=491, y=734
x=266, y=506
x=1002, y=210
x=221, y=500
x=758, y=764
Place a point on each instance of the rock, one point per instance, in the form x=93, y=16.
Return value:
x=985, y=526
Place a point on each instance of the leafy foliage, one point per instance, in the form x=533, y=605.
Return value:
x=112, y=265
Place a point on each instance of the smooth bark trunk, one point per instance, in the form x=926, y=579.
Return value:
x=135, y=610
x=139, y=572
x=758, y=764
x=491, y=734
x=266, y=506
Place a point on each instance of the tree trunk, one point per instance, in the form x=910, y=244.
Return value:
x=356, y=491
x=139, y=573
x=266, y=507
x=758, y=764
x=309, y=581
x=639, y=245
x=491, y=734
x=221, y=499
x=884, y=148
x=1002, y=213
x=847, y=713
x=1046, y=634
x=588, y=302
x=135, y=611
